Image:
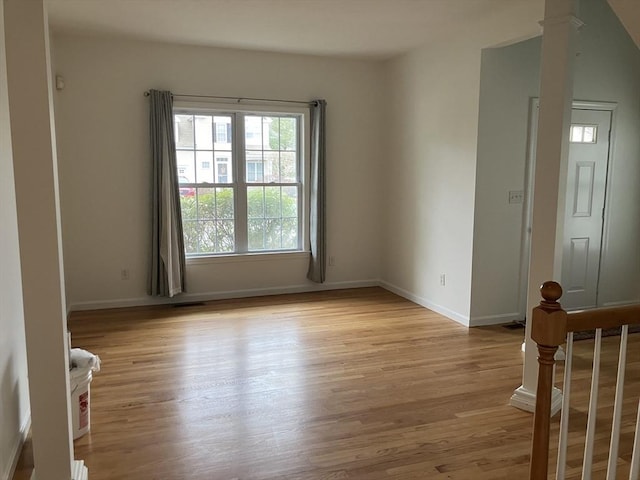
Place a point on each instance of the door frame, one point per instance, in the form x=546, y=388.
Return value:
x=527, y=207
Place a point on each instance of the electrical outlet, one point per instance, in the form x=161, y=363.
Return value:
x=332, y=261
x=124, y=274
x=443, y=279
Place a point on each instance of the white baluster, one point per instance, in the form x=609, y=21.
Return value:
x=593, y=407
x=617, y=407
x=635, y=457
x=564, y=418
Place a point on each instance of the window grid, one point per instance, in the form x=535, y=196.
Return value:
x=279, y=227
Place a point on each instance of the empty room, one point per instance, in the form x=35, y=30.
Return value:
x=305, y=238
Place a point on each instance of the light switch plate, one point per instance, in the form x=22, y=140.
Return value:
x=516, y=196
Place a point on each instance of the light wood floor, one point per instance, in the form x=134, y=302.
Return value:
x=354, y=384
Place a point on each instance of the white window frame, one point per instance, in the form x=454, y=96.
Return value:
x=238, y=173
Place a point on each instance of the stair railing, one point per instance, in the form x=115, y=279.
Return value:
x=552, y=327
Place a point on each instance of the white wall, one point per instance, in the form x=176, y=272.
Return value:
x=510, y=78
x=434, y=96
x=629, y=13
x=14, y=393
x=607, y=69
x=434, y=118
x=102, y=122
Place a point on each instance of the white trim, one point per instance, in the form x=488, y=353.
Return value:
x=14, y=456
x=494, y=319
x=237, y=113
x=526, y=400
x=259, y=292
x=248, y=257
x=606, y=221
x=222, y=107
x=527, y=207
x=80, y=471
x=462, y=319
x=306, y=288
x=562, y=20
x=222, y=295
x=591, y=105
x=622, y=303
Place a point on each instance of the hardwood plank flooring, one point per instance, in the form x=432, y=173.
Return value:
x=352, y=384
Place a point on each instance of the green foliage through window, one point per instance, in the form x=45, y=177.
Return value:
x=208, y=224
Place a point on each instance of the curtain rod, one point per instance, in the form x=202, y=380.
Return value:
x=240, y=99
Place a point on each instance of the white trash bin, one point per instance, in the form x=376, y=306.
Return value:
x=79, y=381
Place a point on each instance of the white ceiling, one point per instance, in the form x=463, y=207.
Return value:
x=354, y=28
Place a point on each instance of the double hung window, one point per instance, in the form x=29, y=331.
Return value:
x=241, y=180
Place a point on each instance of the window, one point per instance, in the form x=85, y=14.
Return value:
x=251, y=201
x=223, y=132
x=223, y=173
x=584, y=133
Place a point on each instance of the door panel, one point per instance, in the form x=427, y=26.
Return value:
x=583, y=193
x=579, y=262
x=586, y=188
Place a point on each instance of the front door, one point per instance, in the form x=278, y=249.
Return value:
x=584, y=212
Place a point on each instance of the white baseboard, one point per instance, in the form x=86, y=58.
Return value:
x=463, y=319
x=207, y=296
x=17, y=449
x=305, y=288
x=526, y=400
x=494, y=319
x=621, y=304
x=79, y=471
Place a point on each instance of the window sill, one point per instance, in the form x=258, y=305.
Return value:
x=248, y=257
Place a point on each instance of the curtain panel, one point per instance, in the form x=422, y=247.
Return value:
x=317, y=195
x=167, y=271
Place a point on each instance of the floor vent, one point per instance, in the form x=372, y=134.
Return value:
x=188, y=304
x=516, y=325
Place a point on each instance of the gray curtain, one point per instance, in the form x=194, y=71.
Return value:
x=167, y=249
x=317, y=195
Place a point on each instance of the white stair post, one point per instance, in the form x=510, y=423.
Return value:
x=559, y=47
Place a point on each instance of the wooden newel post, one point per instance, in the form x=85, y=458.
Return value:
x=549, y=331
